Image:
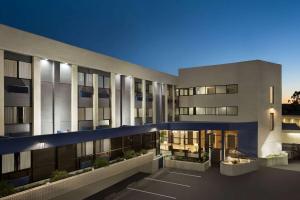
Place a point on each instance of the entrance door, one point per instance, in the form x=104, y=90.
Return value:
x=215, y=139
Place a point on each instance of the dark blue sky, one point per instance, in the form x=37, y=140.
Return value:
x=168, y=34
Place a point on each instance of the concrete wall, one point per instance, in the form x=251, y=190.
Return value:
x=254, y=79
x=86, y=184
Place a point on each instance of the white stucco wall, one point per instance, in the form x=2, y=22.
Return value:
x=254, y=79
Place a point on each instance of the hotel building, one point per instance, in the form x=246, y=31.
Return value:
x=62, y=106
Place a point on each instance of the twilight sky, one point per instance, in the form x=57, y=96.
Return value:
x=168, y=34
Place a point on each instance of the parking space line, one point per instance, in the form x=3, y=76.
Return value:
x=162, y=181
x=153, y=193
x=184, y=174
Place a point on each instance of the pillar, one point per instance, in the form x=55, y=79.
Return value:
x=36, y=96
x=144, y=101
x=113, y=99
x=132, y=102
x=74, y=98
x=166, y=93
x=173, y=103
x=154, y=87
x=2, y=93
x=95, y=101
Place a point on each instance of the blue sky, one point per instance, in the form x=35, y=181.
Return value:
x=169, y=34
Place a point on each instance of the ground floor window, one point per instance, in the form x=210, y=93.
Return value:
x=199, y=144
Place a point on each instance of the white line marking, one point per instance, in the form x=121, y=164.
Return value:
x=157, y=180
x=179, y=173
x=157, y=194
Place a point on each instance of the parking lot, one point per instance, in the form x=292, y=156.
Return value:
x=267, y=183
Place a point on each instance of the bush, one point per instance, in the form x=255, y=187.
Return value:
x=58, y=175
x=143, y=151
x=5, y=189
x=100, y=162
x=129, y=154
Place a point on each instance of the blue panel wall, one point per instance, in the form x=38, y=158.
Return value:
x=247, y=135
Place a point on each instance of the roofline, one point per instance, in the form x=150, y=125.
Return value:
x=230, y=63
x=39, y=49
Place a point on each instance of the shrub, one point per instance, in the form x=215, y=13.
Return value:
x=143, y=151
x=58, y=175
x=129, y=154
x=100, y=162
x=5, y=189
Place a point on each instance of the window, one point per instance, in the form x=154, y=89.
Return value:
x=85, y=114
x=25, y=158
x=271, y=121
x=200, y=90
x=191, y=111
x=210, y=111
x=177, y=92
x=200, y=111
x=221, y=89
x=184, y=111
x=191, y=91
x=10, y=68
x=8, y=163
x=24, y=70
x=184, y=92
x=89, y=148
x=232, y=89
x=80, y=78
x=271, y=95
x=85, y=149
x=210, y=90
x=221, y=110
x=106, y=82
x=232, y=110
x=89, y=79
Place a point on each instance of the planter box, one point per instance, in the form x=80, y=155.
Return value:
x=194, y=166
x=239, y=168
x=274, y=161
x=86, y=184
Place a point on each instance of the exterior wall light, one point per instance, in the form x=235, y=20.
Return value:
x=42, y=145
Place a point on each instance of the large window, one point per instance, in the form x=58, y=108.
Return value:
x=232, y=89
x=16, y=161
x=232, y=110
x=222, y=110
x=209, y=90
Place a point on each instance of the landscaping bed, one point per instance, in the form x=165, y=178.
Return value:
x=274, y=160
x=238, y=167
x=62, y=182
x=184, y=163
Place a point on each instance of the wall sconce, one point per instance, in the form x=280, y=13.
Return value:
x=42, y=145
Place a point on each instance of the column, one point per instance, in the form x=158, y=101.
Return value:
x=144, y=101
x=173, y=103
x=74, y=98
x=132, y=101
x=2, y=93
x=154, y=86
x=166, y=93
x=113, y=99
x=36, y=96
x=95, y=101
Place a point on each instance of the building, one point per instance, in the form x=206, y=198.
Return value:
x=291, y=130
x=62, y=106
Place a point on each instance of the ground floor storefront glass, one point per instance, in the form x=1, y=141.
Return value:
x=199, y=144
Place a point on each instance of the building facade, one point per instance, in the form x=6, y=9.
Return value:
x=63, y=106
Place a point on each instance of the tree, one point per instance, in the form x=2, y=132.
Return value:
x=295, y=98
